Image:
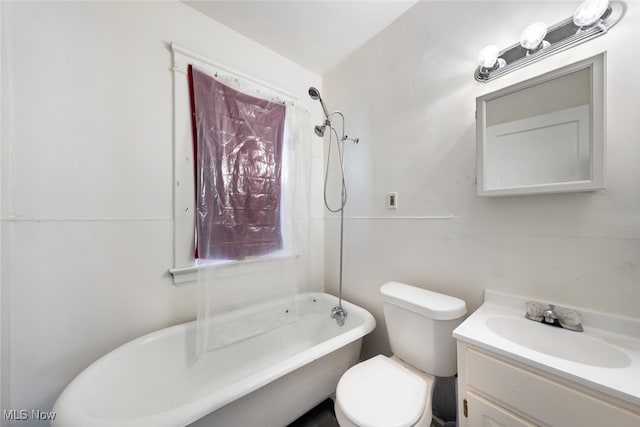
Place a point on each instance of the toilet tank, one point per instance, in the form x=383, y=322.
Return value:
x=419, y=326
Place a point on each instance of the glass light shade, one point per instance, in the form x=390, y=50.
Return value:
x=589, y=12
x=488, y=56
x=533, y=35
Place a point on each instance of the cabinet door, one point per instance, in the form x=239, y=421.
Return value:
x=484, y=413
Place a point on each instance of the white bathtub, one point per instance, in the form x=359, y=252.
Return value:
x=269, y=379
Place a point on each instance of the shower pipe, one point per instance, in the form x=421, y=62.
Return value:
x=337, y=312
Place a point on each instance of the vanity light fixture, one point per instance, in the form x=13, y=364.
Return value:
x=591, y=19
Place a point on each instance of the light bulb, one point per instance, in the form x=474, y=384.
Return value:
x=589, y=12
x=533, y=36
x=488, y=56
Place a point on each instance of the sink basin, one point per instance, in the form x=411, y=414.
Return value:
x=557, y=342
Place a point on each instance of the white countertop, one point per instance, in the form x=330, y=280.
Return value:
x=620, y=334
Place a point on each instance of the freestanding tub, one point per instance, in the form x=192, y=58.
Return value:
x=269, y=379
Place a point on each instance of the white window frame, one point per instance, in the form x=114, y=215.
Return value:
x=185, y=268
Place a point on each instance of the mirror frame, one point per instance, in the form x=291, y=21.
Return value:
x=597, y=67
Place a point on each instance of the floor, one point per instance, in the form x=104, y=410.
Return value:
x=323, y=415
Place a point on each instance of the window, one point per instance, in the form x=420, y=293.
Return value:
x=238, y=169
x=291, y=165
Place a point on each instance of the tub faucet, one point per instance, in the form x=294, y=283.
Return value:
x=339, y=314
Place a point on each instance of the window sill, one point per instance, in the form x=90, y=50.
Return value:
x=188, y=274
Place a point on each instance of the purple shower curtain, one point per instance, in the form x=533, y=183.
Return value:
x=238, y=162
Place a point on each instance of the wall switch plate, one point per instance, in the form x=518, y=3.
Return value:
x=392, y=200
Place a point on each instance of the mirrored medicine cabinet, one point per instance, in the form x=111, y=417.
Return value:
x=545, y=134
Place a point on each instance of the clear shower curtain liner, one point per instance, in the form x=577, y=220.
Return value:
x=237, y=300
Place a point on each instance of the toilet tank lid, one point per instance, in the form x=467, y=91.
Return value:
x=427, y=303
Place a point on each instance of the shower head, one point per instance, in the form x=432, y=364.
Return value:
x=319, y=130
x=315, y=95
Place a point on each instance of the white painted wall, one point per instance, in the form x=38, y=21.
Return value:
x=87, y=178
x=409, y=94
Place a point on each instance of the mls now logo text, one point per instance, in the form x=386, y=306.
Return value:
x=23, y=415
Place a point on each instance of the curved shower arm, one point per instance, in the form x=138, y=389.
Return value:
x=338, y=113
x=343, y=137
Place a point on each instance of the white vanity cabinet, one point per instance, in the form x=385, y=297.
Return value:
x=494, y=390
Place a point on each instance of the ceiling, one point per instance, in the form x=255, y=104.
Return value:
x=317, y=34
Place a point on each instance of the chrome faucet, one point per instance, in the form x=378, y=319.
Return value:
x=549, y=315
x=339, y=314
x=562, y=317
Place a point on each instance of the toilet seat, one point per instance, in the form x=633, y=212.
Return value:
x=381, y=392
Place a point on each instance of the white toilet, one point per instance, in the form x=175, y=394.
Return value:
x=396, y=391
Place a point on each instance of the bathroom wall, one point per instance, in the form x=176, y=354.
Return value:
x=409, y=94
x=87, y=179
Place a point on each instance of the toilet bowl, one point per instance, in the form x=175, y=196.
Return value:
x=396, y=391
